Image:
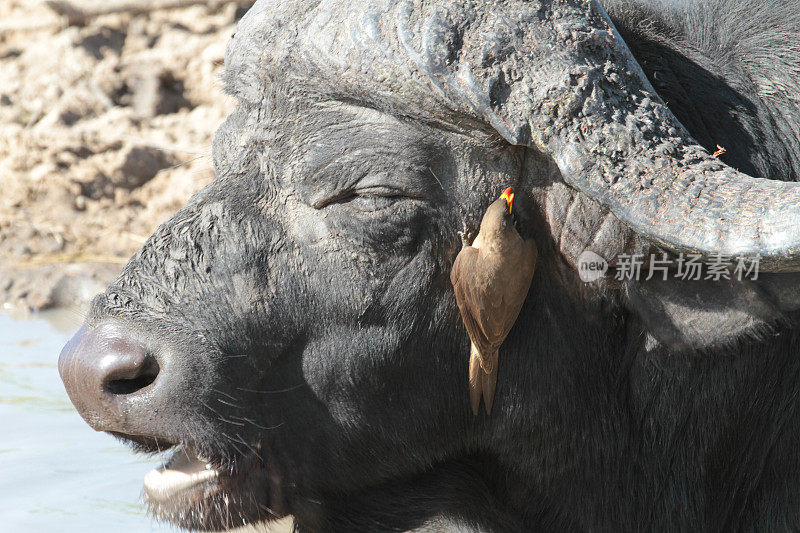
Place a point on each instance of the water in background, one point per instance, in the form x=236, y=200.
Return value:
x=56, y=474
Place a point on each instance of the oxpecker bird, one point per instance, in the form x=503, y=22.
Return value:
x=491, y=279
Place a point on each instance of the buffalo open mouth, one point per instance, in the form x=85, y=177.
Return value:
x=185, y=481
x=204, y=492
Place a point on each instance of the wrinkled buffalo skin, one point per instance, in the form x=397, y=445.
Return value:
x=302, y=316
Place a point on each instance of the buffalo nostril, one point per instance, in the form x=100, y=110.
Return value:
x=111, y=376
x=127, y=380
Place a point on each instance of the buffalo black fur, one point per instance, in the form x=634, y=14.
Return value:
x=303, y=306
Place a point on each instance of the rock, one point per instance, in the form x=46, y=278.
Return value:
x=136, y=165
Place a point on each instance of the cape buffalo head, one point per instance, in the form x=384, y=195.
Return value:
x=293, y=328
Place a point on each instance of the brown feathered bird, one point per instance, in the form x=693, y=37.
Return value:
x=491, y=279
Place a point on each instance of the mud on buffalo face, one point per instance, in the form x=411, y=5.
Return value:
x=291, y=330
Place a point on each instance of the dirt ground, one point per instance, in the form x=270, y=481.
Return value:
x=105, y=131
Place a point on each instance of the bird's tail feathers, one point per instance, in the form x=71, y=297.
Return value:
x=490, y=384
x=482, y=384
x=475, y=379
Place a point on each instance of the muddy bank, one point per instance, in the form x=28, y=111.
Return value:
x=105, y=131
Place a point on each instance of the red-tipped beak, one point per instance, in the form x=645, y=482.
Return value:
x=508, y=196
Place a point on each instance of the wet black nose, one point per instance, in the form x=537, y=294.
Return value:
x=106, y=373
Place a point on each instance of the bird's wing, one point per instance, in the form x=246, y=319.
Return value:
x=471, y=299
x=506, y=292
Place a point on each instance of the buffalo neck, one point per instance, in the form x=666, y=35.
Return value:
x=618, y=432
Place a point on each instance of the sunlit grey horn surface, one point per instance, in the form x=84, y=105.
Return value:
x=590, y=107
x=555, y=75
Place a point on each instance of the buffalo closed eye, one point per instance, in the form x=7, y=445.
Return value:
x=365, y=201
